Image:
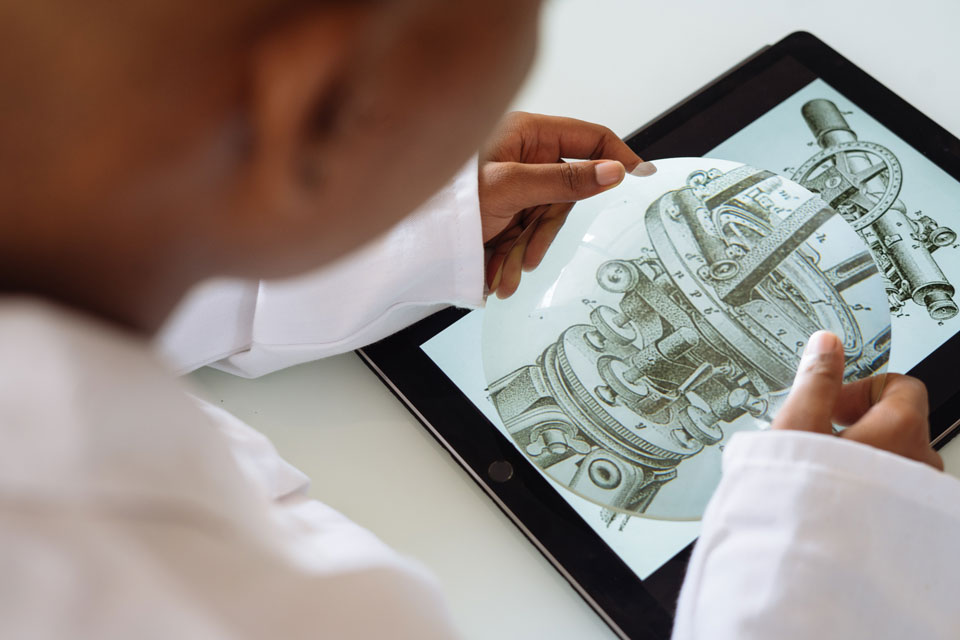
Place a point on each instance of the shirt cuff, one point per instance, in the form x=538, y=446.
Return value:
x=468, y=238
x=811, y=455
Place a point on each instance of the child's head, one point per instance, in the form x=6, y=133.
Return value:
x=151, y=143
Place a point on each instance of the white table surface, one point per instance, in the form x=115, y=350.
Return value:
x=618, y=62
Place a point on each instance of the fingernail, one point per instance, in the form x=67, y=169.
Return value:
x=644, y=169
x=609, y=172
x=820, y=343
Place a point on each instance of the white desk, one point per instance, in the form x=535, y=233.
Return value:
x=619, y=62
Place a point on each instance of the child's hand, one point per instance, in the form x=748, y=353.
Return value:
x=527, y=190
x=888, y=411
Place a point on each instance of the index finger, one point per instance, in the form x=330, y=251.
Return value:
x=898, y=390
x=555, y=137
x=856, y=398
x=898, y=422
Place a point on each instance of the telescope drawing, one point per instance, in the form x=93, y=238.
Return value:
x=862, y=181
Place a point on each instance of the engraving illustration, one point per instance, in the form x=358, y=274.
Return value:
x=862, y=181
x=710, y=321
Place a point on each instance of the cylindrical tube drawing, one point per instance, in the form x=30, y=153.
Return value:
x=826, y=122
x=856, y=180
x=928, y=286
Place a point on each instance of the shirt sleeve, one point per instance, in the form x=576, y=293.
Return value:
x=812, y=536
x=432, y=259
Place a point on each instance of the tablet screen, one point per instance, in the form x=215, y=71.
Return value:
x=904, y=206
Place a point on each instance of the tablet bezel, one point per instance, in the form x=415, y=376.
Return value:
x=635, y=608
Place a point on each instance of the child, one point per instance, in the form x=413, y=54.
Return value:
x=151, y=145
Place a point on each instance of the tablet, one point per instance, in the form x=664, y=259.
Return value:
x=797, y=109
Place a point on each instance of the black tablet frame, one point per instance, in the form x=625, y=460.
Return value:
x=635, y=608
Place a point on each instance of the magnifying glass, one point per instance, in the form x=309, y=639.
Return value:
x=675, y=319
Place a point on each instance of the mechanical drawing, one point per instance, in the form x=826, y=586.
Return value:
x=711, y=321
x=862, y=181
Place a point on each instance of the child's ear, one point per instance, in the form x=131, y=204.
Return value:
x=295, y=75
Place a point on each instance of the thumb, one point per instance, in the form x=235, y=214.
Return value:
x=809, y=407
x=513, y=186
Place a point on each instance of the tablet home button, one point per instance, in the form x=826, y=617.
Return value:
x=500, y=471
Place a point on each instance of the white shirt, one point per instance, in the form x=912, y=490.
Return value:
x=813, y=536
x=433, y=259
x=128, y=511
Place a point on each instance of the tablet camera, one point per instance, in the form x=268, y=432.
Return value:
x=623, y=365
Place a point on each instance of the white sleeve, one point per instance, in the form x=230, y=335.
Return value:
x=432, y=259
x=811, y=536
